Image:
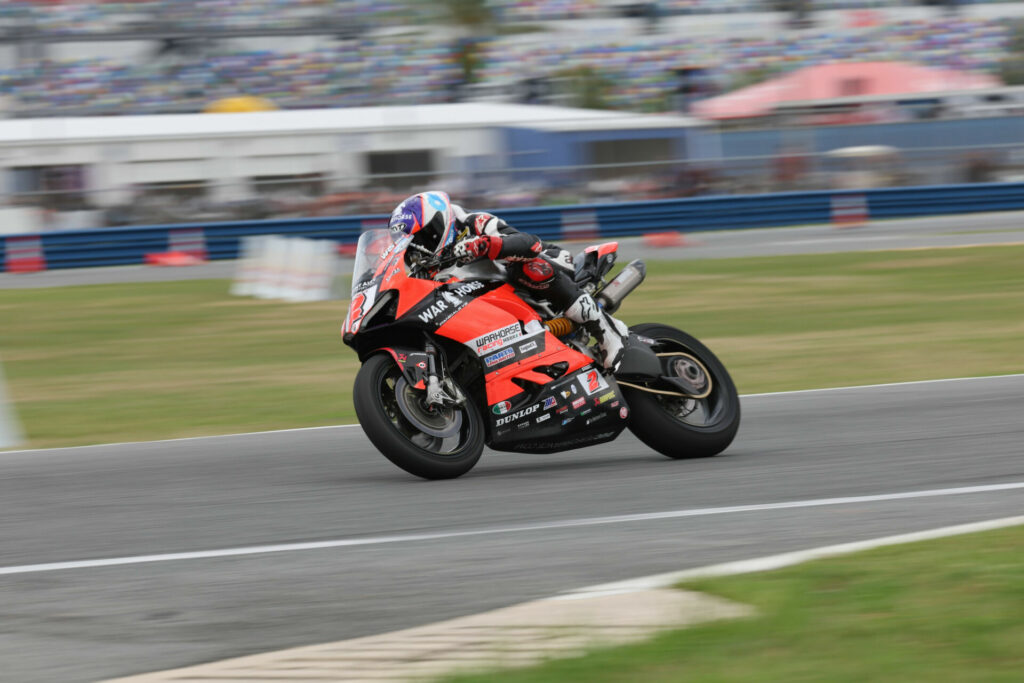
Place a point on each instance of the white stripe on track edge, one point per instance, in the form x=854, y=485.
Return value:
x=883, y=386
x=311, y=429
x=771, y=562
x=182, y=438
x=538, y=526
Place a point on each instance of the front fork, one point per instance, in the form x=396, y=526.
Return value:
x=440, y=389
x=424, y=371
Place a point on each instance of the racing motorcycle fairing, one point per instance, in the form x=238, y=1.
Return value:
x=503, y=334
x=602, y=249
x=582, y=408
x=530, y=377
x=412, y=362
x=594, y=261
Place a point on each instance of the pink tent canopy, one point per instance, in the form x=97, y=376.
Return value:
x=847, y=79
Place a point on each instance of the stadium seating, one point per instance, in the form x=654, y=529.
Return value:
x=401, y=70
x=75, y=17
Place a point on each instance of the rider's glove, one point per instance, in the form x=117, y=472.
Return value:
x=475, y=248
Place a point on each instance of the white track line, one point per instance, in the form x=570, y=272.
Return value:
x=882, y=386
x=794, y=392
x=540, y=526
x=770, y=562
x=183, y=438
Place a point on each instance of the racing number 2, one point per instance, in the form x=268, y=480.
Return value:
x=593, y=383
x=356, y=314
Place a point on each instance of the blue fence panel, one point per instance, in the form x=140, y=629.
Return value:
x=121, y=246
x=945, y=199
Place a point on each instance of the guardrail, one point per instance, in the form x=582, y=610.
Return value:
x=123, y=246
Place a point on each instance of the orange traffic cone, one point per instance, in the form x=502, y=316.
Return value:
x=669, y=238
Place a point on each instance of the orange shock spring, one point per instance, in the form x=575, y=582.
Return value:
x=560, y=326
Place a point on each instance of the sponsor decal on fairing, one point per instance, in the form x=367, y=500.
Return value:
x=623, y=412
x=501, y=408
x=434, y=311
x=562, y=410
x=579, y=403
x=499, y=357
x=496, y=338
x=593, y=382
x=518, y=415
x=550, y=402
x=525, y=348
x=543, y=418
x=449, y=302
x=605, y=398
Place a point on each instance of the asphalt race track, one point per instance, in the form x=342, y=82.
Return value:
x=808, y=469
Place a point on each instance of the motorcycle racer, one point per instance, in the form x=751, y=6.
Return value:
x=544, y=269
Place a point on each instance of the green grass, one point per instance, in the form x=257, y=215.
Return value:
x=948, y=610
x=113, y=362
x=122, y=362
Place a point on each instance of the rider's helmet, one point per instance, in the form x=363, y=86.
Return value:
x=427, y=215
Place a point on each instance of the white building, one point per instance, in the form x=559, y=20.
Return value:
x=228, y=157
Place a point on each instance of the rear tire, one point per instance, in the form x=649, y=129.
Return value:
x=378, y=390
x=685, y=428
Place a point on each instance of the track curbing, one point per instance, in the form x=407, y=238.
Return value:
x=528, y=633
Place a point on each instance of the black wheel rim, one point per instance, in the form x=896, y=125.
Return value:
x=441, y=431
x=694, y=412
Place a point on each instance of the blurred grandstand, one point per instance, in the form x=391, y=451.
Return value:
x=61, y=58
x=65, y=57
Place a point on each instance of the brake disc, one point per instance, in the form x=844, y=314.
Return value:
x=440, y=421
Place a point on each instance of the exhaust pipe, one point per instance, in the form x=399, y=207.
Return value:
x=628, y=279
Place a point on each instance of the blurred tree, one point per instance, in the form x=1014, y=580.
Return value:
x=1011, y=69
x=474, y=21
x=1015, y=43
x=474, y=15
x=587, y=87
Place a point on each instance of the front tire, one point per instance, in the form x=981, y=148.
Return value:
x=685, y=427
x=433, y=444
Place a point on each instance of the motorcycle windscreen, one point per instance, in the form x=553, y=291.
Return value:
x=373, y=250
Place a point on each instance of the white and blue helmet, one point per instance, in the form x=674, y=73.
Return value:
x=429, y=215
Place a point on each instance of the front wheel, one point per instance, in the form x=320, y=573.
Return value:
x=685, y=427
x=429, y=442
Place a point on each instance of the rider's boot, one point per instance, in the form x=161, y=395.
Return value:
x=611, y=334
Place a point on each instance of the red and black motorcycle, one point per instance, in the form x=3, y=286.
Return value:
x=451, y=366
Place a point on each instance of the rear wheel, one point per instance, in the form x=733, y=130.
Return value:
x=681, y=427
x=427, y=441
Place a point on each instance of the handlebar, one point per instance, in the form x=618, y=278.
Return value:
x=431, y=261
